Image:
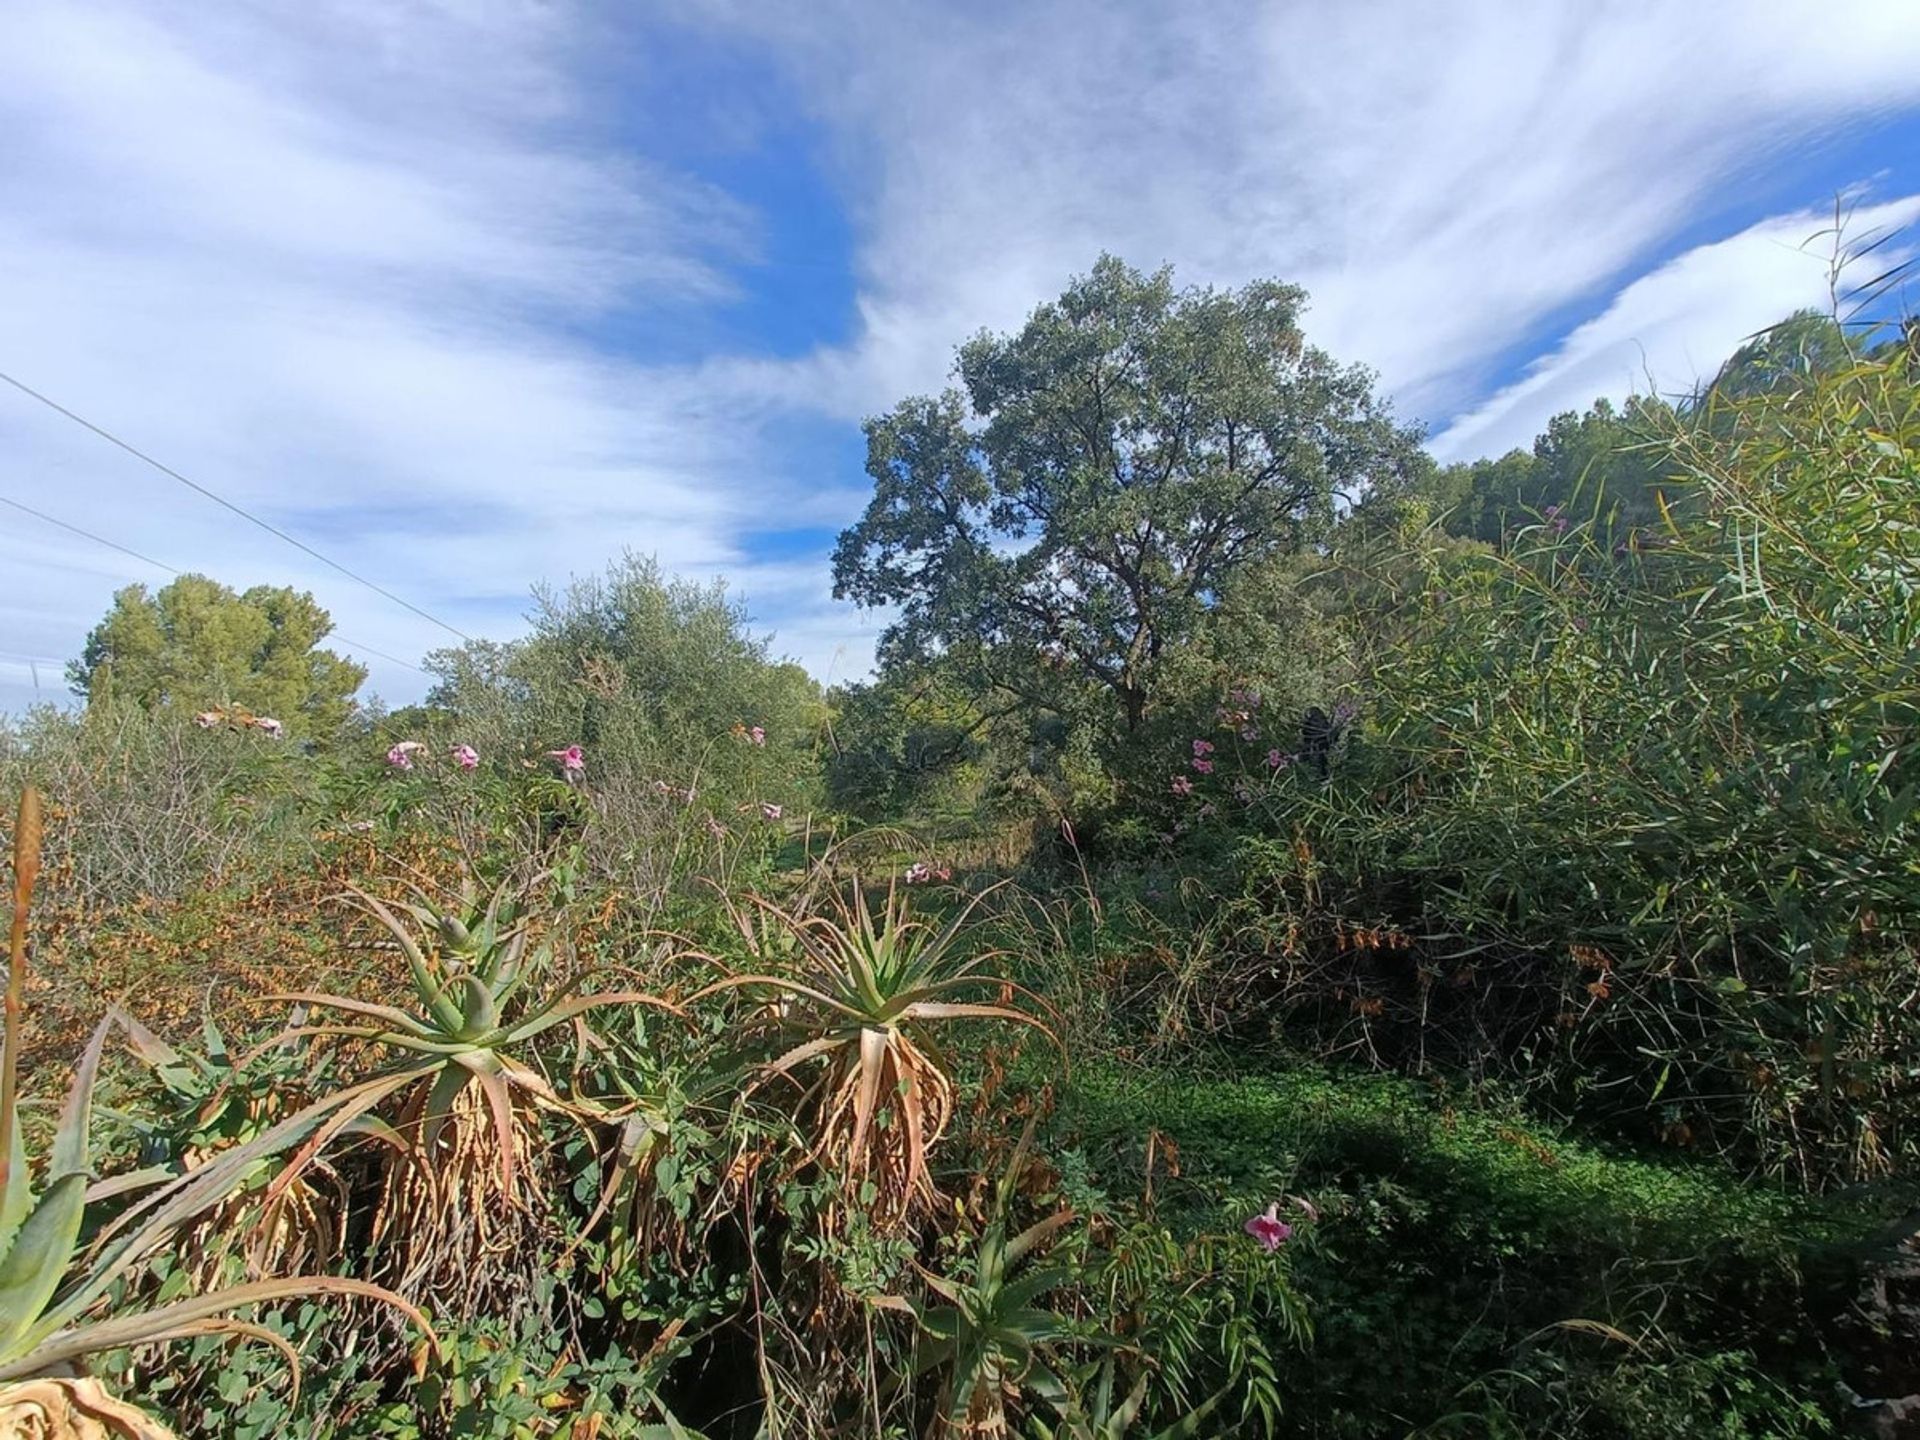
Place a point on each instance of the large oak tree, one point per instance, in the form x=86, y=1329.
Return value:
x=1083, y=502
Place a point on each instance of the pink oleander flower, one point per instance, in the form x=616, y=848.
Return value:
x=757, y=735
x=269, y=727
x=572, y=759
x=917, y=873
x=1203, y=767
x=400, y=757
x=942, y=873
x=1182, y=785
x=1202, y=748
x=1277, y=761
x=769, y=811
x=1269, y=1229
x=466, y=757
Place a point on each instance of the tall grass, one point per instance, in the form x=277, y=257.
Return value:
x=1653, y=803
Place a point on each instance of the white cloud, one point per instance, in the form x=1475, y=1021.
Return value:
x=1669, y=330
x=336, y=265
x=375, y=267
x=1441, y=177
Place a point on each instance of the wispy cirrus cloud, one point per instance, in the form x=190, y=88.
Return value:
x=466, y=294
x=1445, y=180
x=361, y=269
x=1669, y=330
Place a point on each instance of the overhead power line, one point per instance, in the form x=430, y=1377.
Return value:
x=221, y=500
x=162, y=565
x=88, y=535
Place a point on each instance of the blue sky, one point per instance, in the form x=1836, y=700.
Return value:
x=473, y=295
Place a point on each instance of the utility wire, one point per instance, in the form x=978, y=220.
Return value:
x=171, y=473
x=88, y=535
x=161, y=565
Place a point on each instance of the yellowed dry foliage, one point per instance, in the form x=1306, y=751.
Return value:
x=453, y=1223
x=301, y=1229
x=72, y=1409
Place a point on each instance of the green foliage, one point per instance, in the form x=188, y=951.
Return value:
x=917, y=739
x=654, y=676
x=1095, y=1408
x=493, y=1379
x=1608, y=467
x=1604, y=467
x=1782, y=359
x=1461, y=1254
x=196, y=645
x=661, y=683
x=1681, y=766
x=988, y=1332
x=1647, y=1393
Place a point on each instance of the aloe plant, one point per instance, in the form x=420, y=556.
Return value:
x=51, y=1284
x=461, y=1208
x=1092, y=1406
x=865, y=1001
x=229, y=1099
x=991, y=1335
x=468, y=977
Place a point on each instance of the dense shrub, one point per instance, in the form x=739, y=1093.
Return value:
x=150, y=805
x=688, y=726
x=1471, y=1272
x=1679, y=771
